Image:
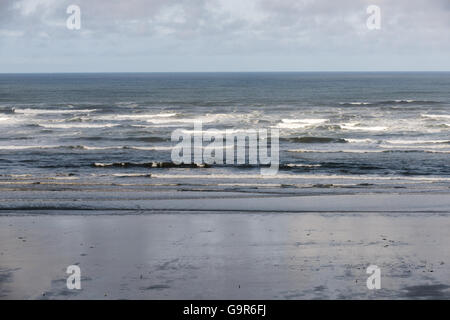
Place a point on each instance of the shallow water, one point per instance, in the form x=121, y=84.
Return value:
x=225, y=256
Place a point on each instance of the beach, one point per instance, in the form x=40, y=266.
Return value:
x=298, y=248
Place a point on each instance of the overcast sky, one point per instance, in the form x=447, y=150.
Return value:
x=224, y=35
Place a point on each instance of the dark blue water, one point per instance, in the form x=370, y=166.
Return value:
x=365, y=126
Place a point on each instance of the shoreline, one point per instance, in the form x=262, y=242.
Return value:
x=220, y=202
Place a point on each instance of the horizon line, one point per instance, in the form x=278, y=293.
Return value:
x=262, y=71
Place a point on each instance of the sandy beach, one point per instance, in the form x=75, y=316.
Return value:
x=253, y=248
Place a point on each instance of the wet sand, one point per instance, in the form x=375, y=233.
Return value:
x=235, y=250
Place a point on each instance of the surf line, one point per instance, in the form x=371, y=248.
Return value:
x=190, y=148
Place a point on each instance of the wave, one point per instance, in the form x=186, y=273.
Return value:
x=52, y=111
x=367, y=140
x=389, y=102
x=148, y=165
x=143, y=139
x=334, y=151
x=15, y=138
x=78, y=125
x=139, y=117
x=418, y=151
x=194, y=165
x=435, y=148
x=299, y=123
x=314, y=176
x=356, y=126
x=6, y=110
x=410, y=102
x=82, y=147
x=299, y=165
x=132, y=175
x=369, y=151
x=77, y=119
x=436, y=116
x=354, y=103
x=400, y=101
x=151, y=148
x=149, y=139
x=408, y=142
x=39, y=147
x=148, y=148
x=378, y=142
x=208, y=118
x=215, y=132
x=314, y=140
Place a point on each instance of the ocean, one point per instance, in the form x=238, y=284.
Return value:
x=340, y=133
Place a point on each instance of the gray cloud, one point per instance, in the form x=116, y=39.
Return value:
x=207, y=35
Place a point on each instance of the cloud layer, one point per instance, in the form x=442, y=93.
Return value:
x=224, y=35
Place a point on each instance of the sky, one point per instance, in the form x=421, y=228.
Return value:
x=224, y=35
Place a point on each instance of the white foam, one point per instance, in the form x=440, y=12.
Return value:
x=55, y=147
x=215, y=132
x=208, y=118
x=139, y=117
x=307, y=121
x=26, y=147
x=77, y=125
x=385, y=149
x=149, y=148
x=297, y=176
x=408, y=142
x=436, y=148
x=436, y=116
x=299, y=123
x=6, y=120
x=362, y=140
x=81, y=147
x=334, y=151
x=355, y=126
